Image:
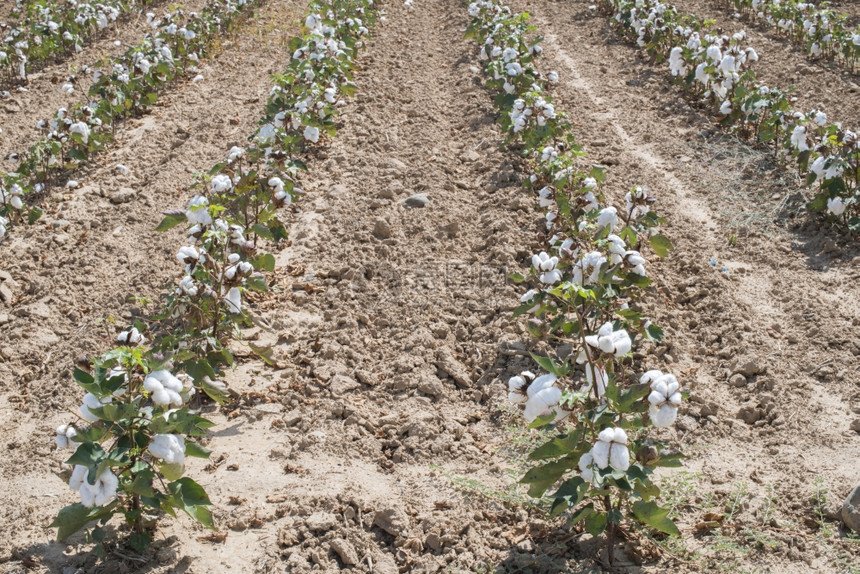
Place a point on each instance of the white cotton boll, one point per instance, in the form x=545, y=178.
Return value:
x=168, y=447
x=836, y=206
x=726, y=108
x=198, y=211
x=589, y=183
x=221, y=183
x=619, y=457
x=529, y=296
x=78, y=477
x=234, y=300
x=663, y=416
x=541, y=402
x=594, y=377
x=92, y=402
x=100, y=493
x=714, y=53
x=677, y=65
x=509, y=54
x=82, y=129
x=131, y=337
x=312, y=134
x=66, y=436
x=311, y=21
x=164, y=388
x=235, y=153
x=187, y=286
x=702, y=76
x=586, y=461
x=798, y=139
x=608, y=217
x=552, y=77
x=187, y=254
x=820, y=118
x=600, y=453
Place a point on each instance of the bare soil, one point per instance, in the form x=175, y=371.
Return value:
x=384, y=443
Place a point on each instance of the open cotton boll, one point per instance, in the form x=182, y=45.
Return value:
x=586, y=461
x=221, y=183
x=82, y=129
x=516, y=385
x=198, y=211
x=798, y=139
x=312, y=134
x=611, y=449
x=664, y=399
x=552, y=77
x=617, y=343
x=66, y=436
x=546, y=265
x=677, y=65
x=92, y=402
x=836, y=206
x=164, y=388
x=528, y=297
x=234, y=300
x=608, y=217
x=168, y=447
x=543, y=396
x=586, y=271
x=131, y=337
x=726, y=108
x=97, y=494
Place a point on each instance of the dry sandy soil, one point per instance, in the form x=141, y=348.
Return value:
x=383, y=443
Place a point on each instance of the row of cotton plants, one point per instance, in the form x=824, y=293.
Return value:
x=42, y=31
x=586, y=287
x=715, y=68
x=126, y=85
x=821, y=30
x=137, y=423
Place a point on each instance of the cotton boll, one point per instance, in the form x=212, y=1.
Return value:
x=608, y=217
x=663, y=416
x=619, y=457
x=234, y=300
x=168, y=447
x=836, y=206
x=65, y=436
x=164, y=388
x=92, y=402
x=312, y=134
x=586, y=461
x=198, y=211
x=541, y=401
x=221, y=183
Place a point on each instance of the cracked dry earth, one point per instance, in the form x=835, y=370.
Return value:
x=382, y=443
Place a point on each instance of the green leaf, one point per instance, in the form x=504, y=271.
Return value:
x=33, y=215
x=195, y=450
x=541, y=478
x=582, y=513
x=517, y=277
x=542, y=420
x=558, y=446
x=71, y=519
x=190, y=497
x=569, y=494
x=595, y=523
x=139, y=542
x=661, y=245
x=654, y=516
x=551, y=366
x=263, y=232
x=257, y=283
x=215, y=393
x=265, y=262
x=171, y=220
x=88, y=454
x=86, y=380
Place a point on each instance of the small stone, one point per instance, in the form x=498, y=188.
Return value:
x=4, y=318
x=392, y=520
x=367, y=378
x=526, y=546
x=124, y=195
x=452, y=229
x=346, y=551
x=385, y=564
x=321, y=521
x=5, y=293
x=747, y=365
x=61, y=224
x=470, y=157
x=855, y=425
x=381, y=228
x=709, y=409
x=749, y=415
x=738, y=380
x=61, y=239
x=341, y=385
x=851, y=510
x=433, y=542
x=417, y=200
x=446, y=361
x=430, y=385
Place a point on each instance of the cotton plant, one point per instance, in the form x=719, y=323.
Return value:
x=129, y=444
x=585, y=291
x=823, y=32
x=127, y=84
x=717, y=69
